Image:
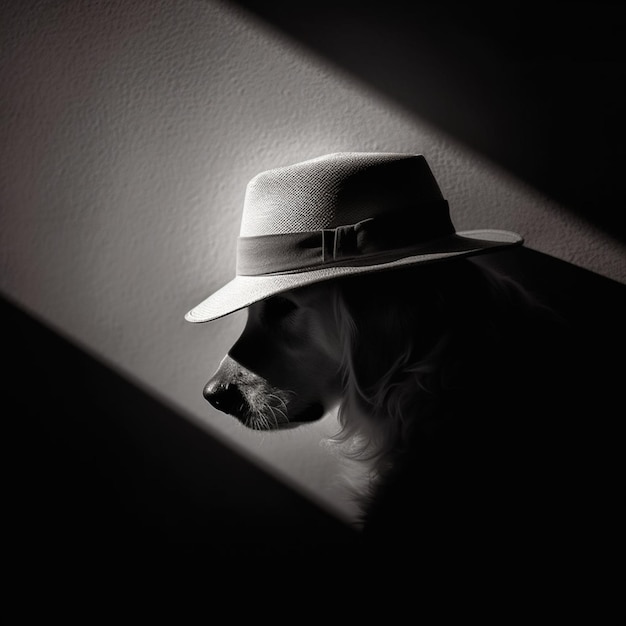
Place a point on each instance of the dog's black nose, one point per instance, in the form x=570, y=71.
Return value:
x=224, y=397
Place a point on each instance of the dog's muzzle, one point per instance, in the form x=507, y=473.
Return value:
x=252, y=400
x=237, y=391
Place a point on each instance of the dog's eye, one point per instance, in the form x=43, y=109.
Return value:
x=278, y=307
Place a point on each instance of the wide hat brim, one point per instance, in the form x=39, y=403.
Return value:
x=243, y=291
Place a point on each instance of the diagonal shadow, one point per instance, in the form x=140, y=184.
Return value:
x=538, y=89
x=103, y=474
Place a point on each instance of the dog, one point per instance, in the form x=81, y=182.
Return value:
x=408, y=370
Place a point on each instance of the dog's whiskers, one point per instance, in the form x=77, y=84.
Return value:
x=265, y=422
x=264, y=407
x=281, y=408
x=278, y=405
x=274, y=420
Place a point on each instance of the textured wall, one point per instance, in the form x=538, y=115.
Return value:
x=129, y=131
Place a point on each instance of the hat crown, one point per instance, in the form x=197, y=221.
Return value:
x=335, y=190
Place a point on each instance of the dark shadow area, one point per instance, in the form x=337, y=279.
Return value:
x=518, y=494
x=593, y=304
x=107, y=482
x=537, y=88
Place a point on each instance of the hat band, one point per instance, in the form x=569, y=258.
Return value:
x=328, y=247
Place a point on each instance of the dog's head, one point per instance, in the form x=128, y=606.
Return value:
x=284, y=370
x=385, y=348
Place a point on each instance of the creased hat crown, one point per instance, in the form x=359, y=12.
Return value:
x=334, y=190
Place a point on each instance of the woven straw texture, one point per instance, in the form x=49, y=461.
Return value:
x=334, y=190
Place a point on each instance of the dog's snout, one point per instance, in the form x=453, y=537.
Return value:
x=224, y=396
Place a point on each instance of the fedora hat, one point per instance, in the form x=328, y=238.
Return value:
x=338, y=215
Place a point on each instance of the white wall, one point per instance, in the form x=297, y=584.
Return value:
x=129, y=131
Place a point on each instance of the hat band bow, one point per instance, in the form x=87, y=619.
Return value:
x=329, y=247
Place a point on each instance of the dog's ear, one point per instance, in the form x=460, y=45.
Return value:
x=417, y=341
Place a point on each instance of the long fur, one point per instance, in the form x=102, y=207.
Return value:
x=411, y=341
